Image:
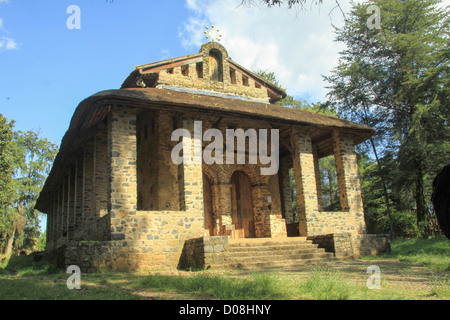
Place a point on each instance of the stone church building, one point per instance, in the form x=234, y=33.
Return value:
x=115, y=199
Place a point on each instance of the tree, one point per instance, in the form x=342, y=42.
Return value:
x=297, y=4
x=6, y=135
x=396, y=79
x=30, y=159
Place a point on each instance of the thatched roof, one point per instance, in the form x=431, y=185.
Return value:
x=95, y=108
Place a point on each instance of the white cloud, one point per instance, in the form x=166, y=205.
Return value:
x=8, y=44
x=297, y=46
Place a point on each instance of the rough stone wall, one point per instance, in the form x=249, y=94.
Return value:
x=204, y=253
x=348, y=245
x=324, y=222
x=157, y=176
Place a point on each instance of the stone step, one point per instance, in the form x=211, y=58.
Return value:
x=272, y=264
x=273, y=247
x=248, y=254
x=267, y=241
x=277, y=257
x=273, y=251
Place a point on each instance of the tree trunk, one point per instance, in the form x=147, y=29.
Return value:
x=9, y=244
x=383, y=181
x=421, y=210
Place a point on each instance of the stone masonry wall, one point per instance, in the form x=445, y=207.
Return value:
x=204, y=253
x=347, y=245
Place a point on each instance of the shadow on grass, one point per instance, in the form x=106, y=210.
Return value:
x=26, y=278
x=433, y=253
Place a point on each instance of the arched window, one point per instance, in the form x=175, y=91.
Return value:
x=215, y=65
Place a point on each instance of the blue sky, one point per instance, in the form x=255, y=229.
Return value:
x=50, y=69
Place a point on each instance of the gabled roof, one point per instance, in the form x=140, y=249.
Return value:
x=211, y=69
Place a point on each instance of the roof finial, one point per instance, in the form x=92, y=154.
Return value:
x=213, y=34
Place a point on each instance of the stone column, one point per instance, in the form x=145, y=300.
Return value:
x=192, y=170
x=55, y=219
x=122, y=153
x=261, y=213
x=50, y=216
x=71, y=205
x=58, y=231
x=318, y=178
x=305, y=178
x=222, y=207
x=101, y=171
x=285, y=188
x=65, y=206
x=347, y=173
x=88, y=183
x=79, y=192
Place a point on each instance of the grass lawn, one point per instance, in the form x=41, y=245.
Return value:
x=416, y=269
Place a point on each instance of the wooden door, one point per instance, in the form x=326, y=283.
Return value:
x=207, y=206
x=242, y=205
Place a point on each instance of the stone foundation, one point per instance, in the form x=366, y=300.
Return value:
x=348, y=245
x=193, y=254
x=201, y=253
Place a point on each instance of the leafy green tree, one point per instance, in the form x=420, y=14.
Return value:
x=6, y=135
x=395, y=79
x=30, y=159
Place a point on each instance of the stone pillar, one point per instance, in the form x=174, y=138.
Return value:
x=65, y=205
x=122, y=153
x=192, y=171
x=347, y=172
x=261, y=212
x=222, y=207
x=348, y=178
x=305, y=179
x=58, y=219
x=79, y=192
x=285, y=188
x=50, y=216
x=318, y=178
x=88, y=183
x=101, y=171
x=71, y=204
x=55, y=219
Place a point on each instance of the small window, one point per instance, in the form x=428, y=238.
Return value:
x=245, y=81
x=169, y=71
x=185, y=70
x=215, y=65
x=257, y=85
x=199, y=68
x=233, y=76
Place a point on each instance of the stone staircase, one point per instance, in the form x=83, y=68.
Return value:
x=270, y=253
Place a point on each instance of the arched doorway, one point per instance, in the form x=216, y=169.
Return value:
x=208, y=206
x=242, y=205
